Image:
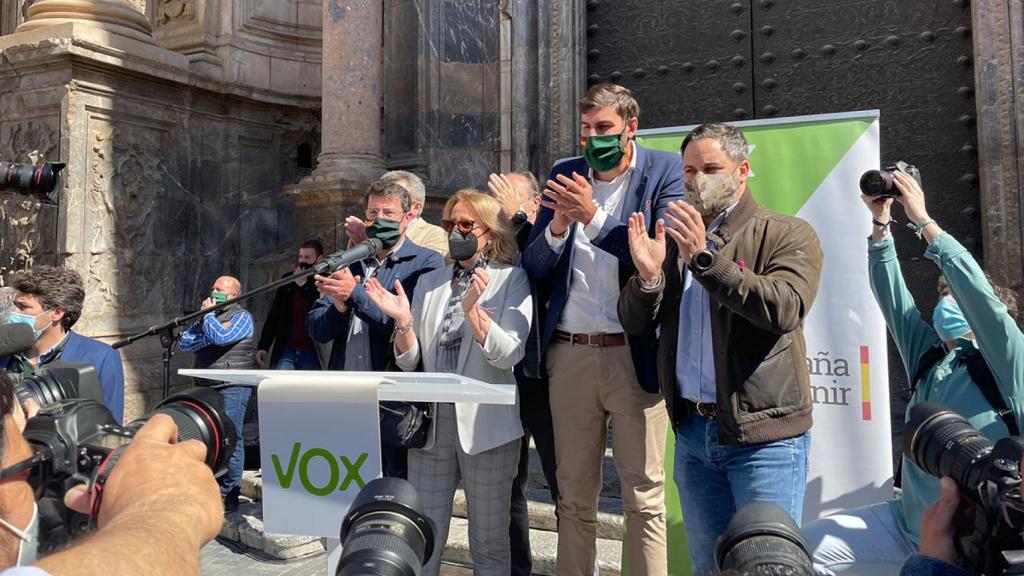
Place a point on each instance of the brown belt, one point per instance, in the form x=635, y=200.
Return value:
x=708, y=410
x=595, y=340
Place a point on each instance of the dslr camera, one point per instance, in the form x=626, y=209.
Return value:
x=943, y=443
x=880, y=183
x=762, y=540
x=39, y=181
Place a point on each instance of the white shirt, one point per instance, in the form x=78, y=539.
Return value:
x=592, y=306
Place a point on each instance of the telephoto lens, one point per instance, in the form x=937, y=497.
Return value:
x=384, y=533
x=59, y=382
x=40, y=180
x=762, y=539
x=942, y=443
x=877, y=183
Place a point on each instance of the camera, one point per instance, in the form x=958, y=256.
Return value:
x=40, y=181
x=943, y=443
x=880, y=183
x=761, y=538
x=58, y=382
x=384, y=532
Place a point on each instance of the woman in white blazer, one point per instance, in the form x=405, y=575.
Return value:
x=470, y=318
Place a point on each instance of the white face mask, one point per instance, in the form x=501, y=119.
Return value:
x=29, y=538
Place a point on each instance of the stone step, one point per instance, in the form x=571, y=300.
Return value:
x=542, y=513
x=543, y=546
x=245, y=525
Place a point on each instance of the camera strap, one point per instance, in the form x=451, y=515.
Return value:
x=98, y=484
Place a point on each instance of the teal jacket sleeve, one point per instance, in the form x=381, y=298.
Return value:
x=913, y=336
x=999, y=339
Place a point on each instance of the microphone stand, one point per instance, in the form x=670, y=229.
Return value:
x=167, y=333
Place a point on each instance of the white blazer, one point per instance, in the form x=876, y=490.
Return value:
x=507, y=298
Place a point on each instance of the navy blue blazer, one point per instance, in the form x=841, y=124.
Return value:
x=325, y=323
x=657, y=180
x=80, y=349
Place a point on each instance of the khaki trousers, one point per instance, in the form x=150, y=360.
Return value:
x=588, y=387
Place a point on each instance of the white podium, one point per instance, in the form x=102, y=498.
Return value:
x=320, y=436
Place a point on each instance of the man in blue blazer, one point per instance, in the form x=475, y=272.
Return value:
x=50, y=300
x=361, y=333
x=579, y=253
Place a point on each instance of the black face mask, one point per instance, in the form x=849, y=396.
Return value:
x=306, y=265
x=461, y=247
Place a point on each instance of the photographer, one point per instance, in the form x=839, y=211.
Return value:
x=970, y=359
x=160, y=506
x=50, y=299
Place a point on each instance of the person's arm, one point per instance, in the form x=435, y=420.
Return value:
x=410, y=273
x=111, y=374
x=325, y=323
x=193, y=338
x=160, y=505
x=505, y=342
x=407, y=348
x=639, y=305
x=237, y=328
x=780, y=297
x=542, y=250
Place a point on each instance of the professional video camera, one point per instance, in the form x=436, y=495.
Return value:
x=40, y=180
x=762, y=539
x=880, y=183
x=943, y=443
x=384, y=532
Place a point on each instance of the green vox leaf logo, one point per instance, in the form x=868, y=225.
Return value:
x=335, y=482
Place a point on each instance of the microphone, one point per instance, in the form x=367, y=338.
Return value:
x=342, y=258
x=15, y=338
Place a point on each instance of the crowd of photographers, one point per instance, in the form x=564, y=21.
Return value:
x=616, y=292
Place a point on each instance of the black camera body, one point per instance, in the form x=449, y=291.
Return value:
x=943, y=443
x=57, y=382
x=880, y=183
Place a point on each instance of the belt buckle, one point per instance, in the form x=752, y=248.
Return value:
x=595, y=342
x=705, y=409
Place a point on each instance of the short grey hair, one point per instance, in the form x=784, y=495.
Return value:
x=729, y=137
x=409, y=181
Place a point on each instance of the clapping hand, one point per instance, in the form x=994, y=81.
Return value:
x=505, y=194
x=648, y=253
x=394, y=305
x=686, y=227
x=476, y=287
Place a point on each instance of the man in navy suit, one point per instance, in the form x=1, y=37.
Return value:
x=579, y=253
x=50, y=299
x=361, y=333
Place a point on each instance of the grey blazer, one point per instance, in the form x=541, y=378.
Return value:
x=507, y=298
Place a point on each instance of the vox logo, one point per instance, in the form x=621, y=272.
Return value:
x=299, y=461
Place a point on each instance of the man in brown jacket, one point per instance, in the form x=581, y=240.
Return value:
x=729, y=295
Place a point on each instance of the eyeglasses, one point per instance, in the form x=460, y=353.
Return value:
x=464, y=226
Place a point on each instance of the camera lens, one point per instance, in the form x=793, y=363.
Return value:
x=59, y=382
x=942, y=443
x=384, y=532
x=27, y=179
x=762, y=539
x=876, y=183
x=199, y=414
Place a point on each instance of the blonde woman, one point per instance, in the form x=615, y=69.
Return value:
x=471, y=318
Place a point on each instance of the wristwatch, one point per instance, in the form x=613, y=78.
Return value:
x=702, y=261
x=519, y=217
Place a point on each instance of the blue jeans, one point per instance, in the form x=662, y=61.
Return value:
x=295, y=360
x=236, y=399
x=715, y=480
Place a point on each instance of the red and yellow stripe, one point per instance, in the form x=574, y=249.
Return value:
x=865, y=384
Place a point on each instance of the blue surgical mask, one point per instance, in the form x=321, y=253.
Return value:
x=948, y=320
x=19, y=318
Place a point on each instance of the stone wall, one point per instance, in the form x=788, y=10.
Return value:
x=173, y=178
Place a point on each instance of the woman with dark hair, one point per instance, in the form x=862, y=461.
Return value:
x=470, y=318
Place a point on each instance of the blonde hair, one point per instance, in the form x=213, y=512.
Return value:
x=502, y=247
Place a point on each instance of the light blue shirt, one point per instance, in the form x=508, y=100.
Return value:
x=695, y=357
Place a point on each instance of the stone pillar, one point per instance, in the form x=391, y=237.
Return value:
x=118, y=16
x=351, y=87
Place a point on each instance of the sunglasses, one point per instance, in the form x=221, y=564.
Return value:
x=464, y=226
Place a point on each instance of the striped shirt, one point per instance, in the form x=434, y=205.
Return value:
x=209, y=331
x=450, y=340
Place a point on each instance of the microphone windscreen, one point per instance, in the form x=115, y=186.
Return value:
x=15, y=338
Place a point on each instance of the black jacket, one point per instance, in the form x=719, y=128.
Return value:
x=274, y=334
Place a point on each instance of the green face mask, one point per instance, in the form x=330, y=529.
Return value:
x=603, y=153
x=218, y=297
x=387, y=231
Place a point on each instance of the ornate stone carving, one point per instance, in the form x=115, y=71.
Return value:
x=23, y=220
x=175, y=10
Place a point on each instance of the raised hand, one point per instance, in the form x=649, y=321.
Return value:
x=355, y=229
x=686, y=227
x=911, y=196
x=572, y=197
x=648, y=253
x=338, y=286
x=476, y=287
x=505, y=193
x=394, y=305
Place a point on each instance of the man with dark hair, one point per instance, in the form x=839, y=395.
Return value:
x=224, y=340
x=419, y=231
x=159, y=506
x=285, y=334
x=49, y=299
x=578, y=258
x=346, y=316
x=728, y=297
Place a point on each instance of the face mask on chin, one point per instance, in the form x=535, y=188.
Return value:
x=711, y=194
x=27, y=550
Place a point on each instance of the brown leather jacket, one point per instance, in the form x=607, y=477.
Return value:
x=762, y=285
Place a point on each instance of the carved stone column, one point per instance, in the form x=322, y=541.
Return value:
x=118, y=16
x=998, y=42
